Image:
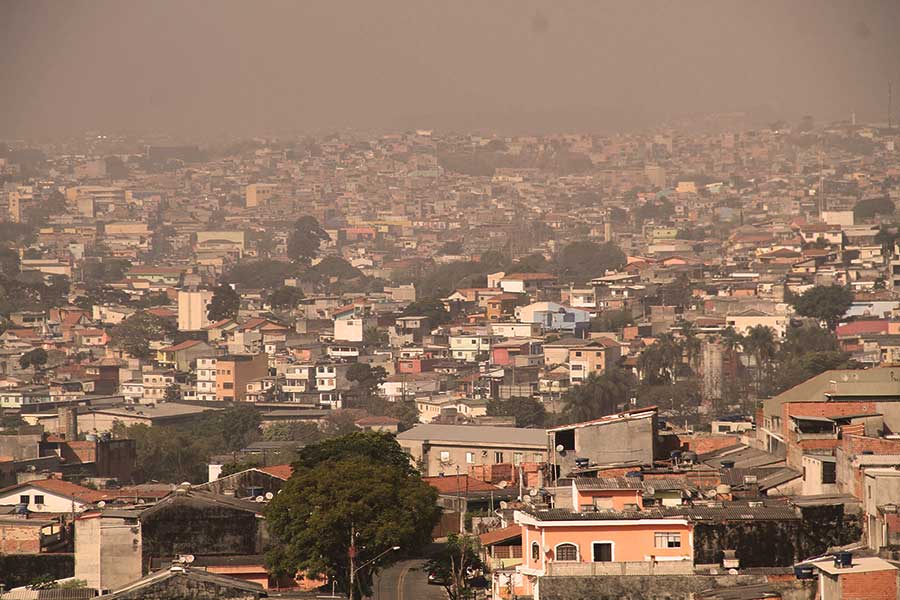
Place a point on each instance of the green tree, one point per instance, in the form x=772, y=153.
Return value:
x=230, y=468
x=173, y=393
x=582, y=261
x=375, y=336
x=332, y=267
x=285, y=297
x=9, y=263
x=344, y=500
x=365, y=380
x=36, y=358
x=225, y=303
x=527, y=411
x=293, y=431
x=598, y=395
x=433, y=309
x=680, y=399
x=455, y=564
x=612, y=320
x=260, y=274
x=304, y=240
x=760, y=343
x=872, y=207
x=135, y=333
x=825, y=303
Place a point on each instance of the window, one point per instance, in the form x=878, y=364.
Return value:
x=602, y=551
x=665, y=539
x=470, y=457
x=227, y=385
x=567, y=552
x=604, y=503
x=535, y=551
x=25, y=499
x=829, y=475
x=566, y=439
x=724, y=429
x=38, y=498
x=518, y=457
x=498, y=457
x=445, y=456
x=578, y=354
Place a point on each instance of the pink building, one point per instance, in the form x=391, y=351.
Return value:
x=563, y=543
x=607, y=493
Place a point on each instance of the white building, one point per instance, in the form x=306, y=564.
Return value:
x=206, y=379
x=192, y=309
x=50, y=496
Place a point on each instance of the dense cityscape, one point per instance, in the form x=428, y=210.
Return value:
x=659, y=361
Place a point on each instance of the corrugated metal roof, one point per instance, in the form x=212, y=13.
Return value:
x=476, y=434
x=608, y=483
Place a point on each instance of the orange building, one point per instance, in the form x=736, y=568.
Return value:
x=234, y=371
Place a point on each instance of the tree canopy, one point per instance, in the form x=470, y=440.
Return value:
x=285, y=297
x=359, y=487
x=825, y=303
x=598, y=395
x=582, y=261
x=225, y=304
x=135, y=333
x=304, y=240
x=527, y=411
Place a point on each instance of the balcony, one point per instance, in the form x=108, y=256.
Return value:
x=595, y=569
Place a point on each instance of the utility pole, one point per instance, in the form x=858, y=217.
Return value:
x=890, y=104
x=351, y=551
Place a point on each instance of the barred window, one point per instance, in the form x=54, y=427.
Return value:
x=664, y=539
x=567, y=552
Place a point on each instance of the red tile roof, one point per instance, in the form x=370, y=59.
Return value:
x=279, y=471
x=463, y=483
x=61, y=488
x=500, y=535
x=182, y=346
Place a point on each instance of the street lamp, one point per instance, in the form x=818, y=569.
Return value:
x=368, y=562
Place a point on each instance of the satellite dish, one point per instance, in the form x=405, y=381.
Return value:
x=560, y=448
x=504, y=505
x=503, y=484
x=187, y=558
x=269, y=495
x=259, y=498
x=546, y=549
x=101, y=504
x=532, y=492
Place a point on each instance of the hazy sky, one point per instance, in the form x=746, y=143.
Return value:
x=218, y=66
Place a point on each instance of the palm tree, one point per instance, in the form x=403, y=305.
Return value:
x=760, y=343
x=690, y=343
x=598, y=395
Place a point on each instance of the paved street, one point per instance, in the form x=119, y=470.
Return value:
x=407, y=581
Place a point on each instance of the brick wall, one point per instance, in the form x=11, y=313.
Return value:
x=879, y=585
x=857, y=444
x=20, y=538
x=701, y=444
x=823, y=409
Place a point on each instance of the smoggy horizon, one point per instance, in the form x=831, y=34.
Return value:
x=234, y=68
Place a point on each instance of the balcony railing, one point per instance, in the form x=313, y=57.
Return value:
x=592, y=569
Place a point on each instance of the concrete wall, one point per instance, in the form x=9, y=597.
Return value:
x=107, y=551
x=189, y=527
x=659, y=587
x=630, y=440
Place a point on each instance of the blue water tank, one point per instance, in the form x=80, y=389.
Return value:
x=843, y=559
x=804, y=572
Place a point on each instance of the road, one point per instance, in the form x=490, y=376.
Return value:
x=407, y=581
